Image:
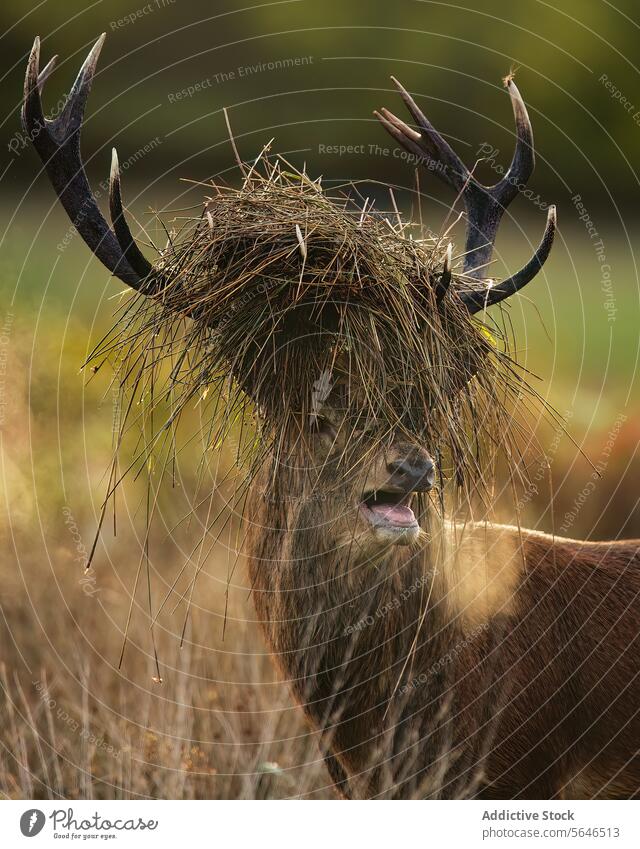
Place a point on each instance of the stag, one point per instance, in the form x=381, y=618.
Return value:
x=504, y=666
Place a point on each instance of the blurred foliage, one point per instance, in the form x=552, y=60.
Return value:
x=453, y=57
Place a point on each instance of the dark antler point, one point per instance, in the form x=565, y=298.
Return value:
x=94, y=53
x=34, y=57
x=115, y=165
x=399, y=86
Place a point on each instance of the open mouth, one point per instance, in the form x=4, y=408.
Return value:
x=388, y=509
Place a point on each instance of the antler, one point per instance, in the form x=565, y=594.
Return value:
x=484, y=204
x=58, y=145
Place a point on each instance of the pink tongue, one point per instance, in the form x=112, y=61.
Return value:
x=395, y=514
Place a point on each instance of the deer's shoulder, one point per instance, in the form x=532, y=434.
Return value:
x=489, y=566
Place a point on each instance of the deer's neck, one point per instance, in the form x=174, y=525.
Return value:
x=351, y=635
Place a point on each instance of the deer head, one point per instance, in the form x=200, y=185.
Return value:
x=367, y=472
x=363, y=473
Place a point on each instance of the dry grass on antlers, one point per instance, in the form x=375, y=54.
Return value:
x=279, y=282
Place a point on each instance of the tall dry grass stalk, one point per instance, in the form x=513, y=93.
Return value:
x=220, y=725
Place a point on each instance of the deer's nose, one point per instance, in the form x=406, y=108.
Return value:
x=412, y=474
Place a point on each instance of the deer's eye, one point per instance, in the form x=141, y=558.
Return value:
x=321, y=426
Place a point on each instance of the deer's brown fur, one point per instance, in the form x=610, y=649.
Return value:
x=421, y=688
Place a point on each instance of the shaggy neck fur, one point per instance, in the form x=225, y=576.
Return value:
x=365, y=641
x=501, y=666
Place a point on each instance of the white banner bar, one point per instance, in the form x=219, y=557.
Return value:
x=318, y=825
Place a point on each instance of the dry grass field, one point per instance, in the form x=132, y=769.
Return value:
x=75, y=725
x=219, y=725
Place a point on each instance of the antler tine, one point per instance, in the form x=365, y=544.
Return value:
x=479, y=299
x=484, y=205
x=402, y=133
x=455, y=172
x=58, y=145
x=523, y=161
x=136, y=259
x=46, y=72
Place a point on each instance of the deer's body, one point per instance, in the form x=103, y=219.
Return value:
x=525, y=687
x=475, y=661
